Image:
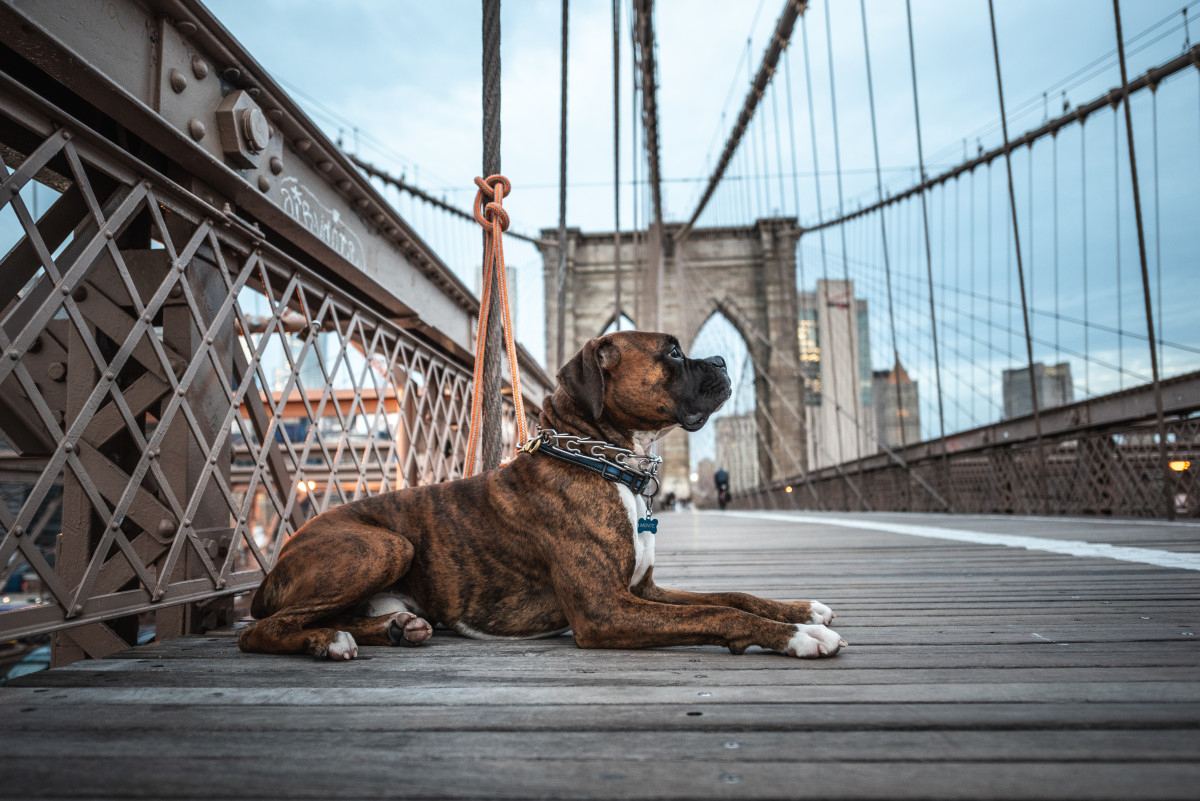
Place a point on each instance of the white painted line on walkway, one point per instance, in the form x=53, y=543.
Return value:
x=1146, y=556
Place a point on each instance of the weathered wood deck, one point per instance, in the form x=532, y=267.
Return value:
x=974, y=671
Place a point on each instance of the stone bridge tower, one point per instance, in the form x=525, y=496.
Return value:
x=745, y=273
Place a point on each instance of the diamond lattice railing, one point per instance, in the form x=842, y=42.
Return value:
x=177, y=397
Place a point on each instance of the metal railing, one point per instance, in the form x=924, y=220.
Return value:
x=185, y=380
x=1101, y=458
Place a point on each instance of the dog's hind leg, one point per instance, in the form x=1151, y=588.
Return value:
x=321, y=575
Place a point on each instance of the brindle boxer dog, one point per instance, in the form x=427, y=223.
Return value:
x=530, y=549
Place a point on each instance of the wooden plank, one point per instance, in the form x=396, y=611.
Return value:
x=945, y=692
x=370, y=776
x=399, y=745
x=480, y=691
x=43, y=719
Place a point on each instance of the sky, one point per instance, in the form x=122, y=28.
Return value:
x=399, y=83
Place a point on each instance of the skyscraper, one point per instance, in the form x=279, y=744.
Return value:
x=835, y=354
x=1054, y=388
x=897, y=409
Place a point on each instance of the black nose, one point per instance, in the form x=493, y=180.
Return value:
x=718, y=361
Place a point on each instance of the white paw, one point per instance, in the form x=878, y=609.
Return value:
x=813, y=641
x=343, y=647
x=821, y=613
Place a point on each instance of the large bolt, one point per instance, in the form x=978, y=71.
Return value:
x=177, y=80
x=199, y=68
x=196, y=129
x=57, y=371
x=255, y=129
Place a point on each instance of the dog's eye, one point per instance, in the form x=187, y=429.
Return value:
x=675, y=353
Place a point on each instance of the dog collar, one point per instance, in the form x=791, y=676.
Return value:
x=619, y=465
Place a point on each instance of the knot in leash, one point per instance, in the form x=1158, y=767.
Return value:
x=494, y=219
x=491, y=214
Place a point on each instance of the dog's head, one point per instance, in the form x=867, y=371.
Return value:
x=639, y=382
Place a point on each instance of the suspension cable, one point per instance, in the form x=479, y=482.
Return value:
x=1087, y=380
x=887, y=262
x=787, y=74
x=1054, y=151
x=812, y=123
x=1117, y=231
x=489, y=380
x=1012, y=199
x=560, y=334
x=1168, y=493
x=852, y=305
x=616, y=42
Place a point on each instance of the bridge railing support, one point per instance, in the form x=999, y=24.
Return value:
x=189, y=373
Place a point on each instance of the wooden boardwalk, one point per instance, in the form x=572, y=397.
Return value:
x=974, y=670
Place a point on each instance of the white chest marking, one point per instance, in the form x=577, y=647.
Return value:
x=643, y=543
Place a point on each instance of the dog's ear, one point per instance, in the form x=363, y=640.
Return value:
x=583, y=376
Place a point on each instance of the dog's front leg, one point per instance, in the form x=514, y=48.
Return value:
x=625, y=621
x=796, y=612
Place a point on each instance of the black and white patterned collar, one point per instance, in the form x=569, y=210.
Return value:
x=619, y=465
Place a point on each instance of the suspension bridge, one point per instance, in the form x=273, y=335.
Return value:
x=966, y=415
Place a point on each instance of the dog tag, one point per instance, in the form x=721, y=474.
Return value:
x=647, y=524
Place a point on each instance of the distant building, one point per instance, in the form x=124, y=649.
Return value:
x=835, y=353
x=737, y=450
x=1054, y=388
x=703, y=488
x=897, y=420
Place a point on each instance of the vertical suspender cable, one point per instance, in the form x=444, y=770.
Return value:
x=1117, y=231
x=823, y=372
x=787, y=76
x=1012, y=199
x=634, y=150
x=1168, y=495
x=937, y=362
x=616, y=34
x=971, y=267
x=1157, y=239
x=887, y=262
x=490, y=384
x=560, y=339
x=805, y=433
x=883, y=228
x=852, y=305
x=1054, y=151
x=758, y=184
x=958, y=276
x=1087, y=362
x=778, y=151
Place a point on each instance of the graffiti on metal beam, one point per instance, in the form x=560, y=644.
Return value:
x=325, y=223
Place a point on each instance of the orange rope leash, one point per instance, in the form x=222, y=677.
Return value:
x=494, y=219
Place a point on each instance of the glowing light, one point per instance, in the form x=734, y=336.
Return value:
x=300, y=485
x=1180, y=465
x=787, y=489
x=694, y=477
x=312, y=485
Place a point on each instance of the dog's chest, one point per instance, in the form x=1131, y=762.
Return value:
x=643, y=542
